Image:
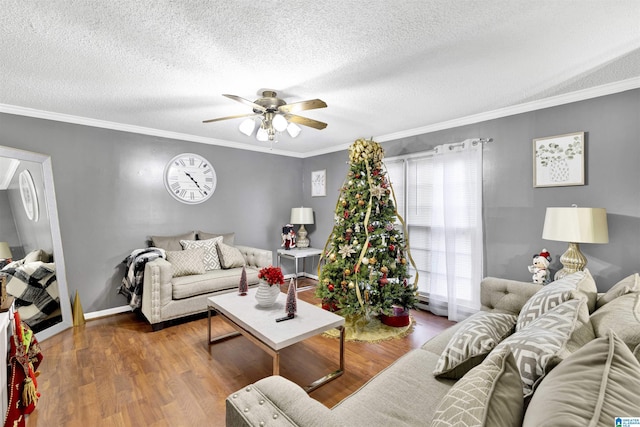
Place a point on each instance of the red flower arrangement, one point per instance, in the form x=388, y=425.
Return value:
x=271, y=275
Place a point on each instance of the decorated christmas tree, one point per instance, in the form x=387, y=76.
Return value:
x=291, y=306
x=366, y=268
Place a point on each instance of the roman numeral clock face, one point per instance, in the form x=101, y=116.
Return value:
x=190, y=178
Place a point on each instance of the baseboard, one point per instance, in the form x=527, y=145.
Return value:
x=107, y=312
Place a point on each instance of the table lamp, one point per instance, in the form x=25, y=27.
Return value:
x=575, y=225
x=302, y=216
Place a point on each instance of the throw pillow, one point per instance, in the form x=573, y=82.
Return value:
x=227, y=238
x=37, y=255
x=591, y=387
x=576, y=285
x=475, y=339
x=211, y=260
x=547, y=340
x=622, y=315
x=186, y=262
x=624, y=286
x=230, y=257
x=489, y=395
x=171, y=243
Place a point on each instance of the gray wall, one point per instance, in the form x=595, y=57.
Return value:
x=513, y=209
x=111, y=196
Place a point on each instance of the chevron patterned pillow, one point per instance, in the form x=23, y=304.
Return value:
x=475, y=339
x=210, y=259
x=576, y=285
x=549, y=339
x=186, y=262
x=487, y=396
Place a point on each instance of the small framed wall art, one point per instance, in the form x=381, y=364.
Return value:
x=319, y=183
x=558, y=161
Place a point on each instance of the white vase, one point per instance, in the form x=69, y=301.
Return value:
x=267, y=295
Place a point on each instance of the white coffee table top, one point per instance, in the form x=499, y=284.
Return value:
x=299, y=252
x=261, y=322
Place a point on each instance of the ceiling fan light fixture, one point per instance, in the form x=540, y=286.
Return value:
x=247, y=126
x=293, y=130
x=262, y=134
x=279, y=122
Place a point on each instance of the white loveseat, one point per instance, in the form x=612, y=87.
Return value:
x=168, y=294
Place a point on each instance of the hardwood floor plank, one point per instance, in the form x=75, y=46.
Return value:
x=115, y=371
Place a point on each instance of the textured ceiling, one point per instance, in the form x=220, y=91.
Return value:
x=385, y=68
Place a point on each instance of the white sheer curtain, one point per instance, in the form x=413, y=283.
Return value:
x=456, y=230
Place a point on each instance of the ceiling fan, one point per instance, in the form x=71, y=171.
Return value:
x=275, y=116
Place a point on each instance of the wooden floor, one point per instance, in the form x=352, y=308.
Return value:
x=114, y=371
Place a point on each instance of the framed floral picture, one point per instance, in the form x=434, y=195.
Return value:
x=558, y=161
x=319, y=183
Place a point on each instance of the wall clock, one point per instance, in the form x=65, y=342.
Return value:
x=190, y=178
x=29, y=195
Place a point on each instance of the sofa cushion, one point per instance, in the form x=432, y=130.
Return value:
x=547, y=340
x=591, y=387
x=186, y=262
x=622, y=315
x=227, y=238
x=576, y=285
x=489, y=395
x=171, y=243
x=624, y=286
x=37, y=255
x=211, y=281
x=210, y=259
x=230, y=257
x=475, y=339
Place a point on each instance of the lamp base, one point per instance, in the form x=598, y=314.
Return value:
x=302, y=241
x=572, y=260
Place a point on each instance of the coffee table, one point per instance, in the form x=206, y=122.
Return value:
x=259, y=325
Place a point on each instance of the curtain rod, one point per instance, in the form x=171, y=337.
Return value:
x=474, y=141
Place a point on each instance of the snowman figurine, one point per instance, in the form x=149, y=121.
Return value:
x=540, y=267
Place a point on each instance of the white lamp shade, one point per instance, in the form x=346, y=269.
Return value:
x=301, y=216
x=279, y=122
x=576, y=225
x=262, y=134
x=293, y=130
x=5, y=251
x=247, y=126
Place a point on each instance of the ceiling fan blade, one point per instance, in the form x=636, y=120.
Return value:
x=246, y=102
x=231, y=117
x=311, y=104
x=305, y=121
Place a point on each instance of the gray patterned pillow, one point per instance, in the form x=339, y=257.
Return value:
x=547, y=340
x=468, y=347
x=187, y=262
x=489, y=395
x=230, y=257
x=172, y=243
x=211, y=260
x=576, y=285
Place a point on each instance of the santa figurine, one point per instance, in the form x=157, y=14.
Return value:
x=540, y=267
x=288, y=237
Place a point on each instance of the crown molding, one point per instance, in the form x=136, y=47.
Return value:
x=581, y=95
x=104, y=124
